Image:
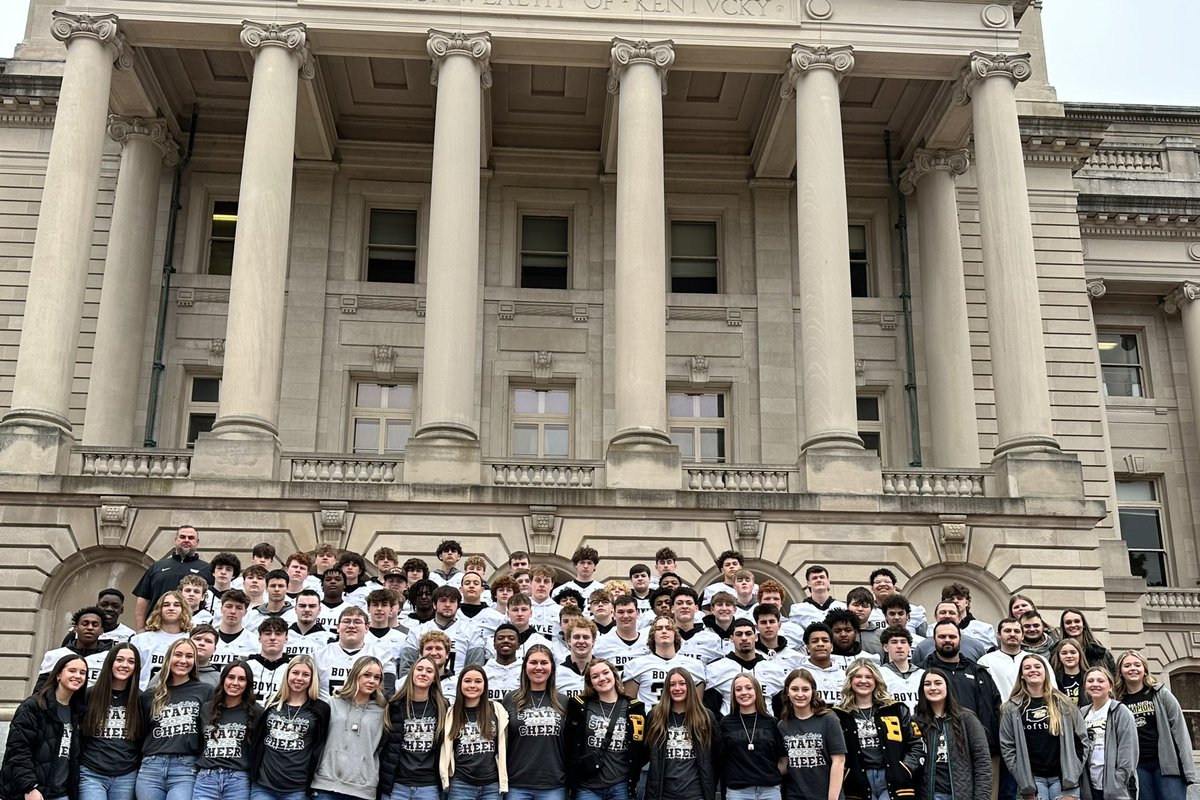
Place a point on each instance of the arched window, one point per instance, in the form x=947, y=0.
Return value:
x=1186, y=688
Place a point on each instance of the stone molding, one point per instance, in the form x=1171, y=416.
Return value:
x=334, y=522
x=122, y=129
x=101, y=27
x=1096, y=288
x=658, y=54
x=1180, y=296
x=475, y=46
x=114, y=517
x=956, y=162
x=840, y=60
x=1016, y=67
x=293, y=37
x=543, y=365
x=953, y=536
x=698, y=369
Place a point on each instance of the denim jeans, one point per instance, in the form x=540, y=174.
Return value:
x=464, y=791
x=94, y=786
x=1008, y=784
x=753, y=793
x=323, y=794
x=258, y=792
x=1048, y=788
x=877, y=779
x=221, y=784
x=944, y=796
x=400, y=792
x=618, y=791
x=517, y=793
x=166, y=778
x=1153, y=785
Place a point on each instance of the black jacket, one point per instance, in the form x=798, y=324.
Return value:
x=393, y=742
x=575, y=736
x=903, y=753
x=321, y=709
x=975, y=691
x=165, y=574
x=33, y=740
x=704, y=763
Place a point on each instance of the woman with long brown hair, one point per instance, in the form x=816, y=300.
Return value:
x=349, y=765
x=172, y=711
x=813, y=741
x=40, y=759
x=110, y=747
x=473, y=764
x=408, y=765
x=959, y=766
x=536, y=714
x=223, y=768
x=751, y=744
x=682, y=743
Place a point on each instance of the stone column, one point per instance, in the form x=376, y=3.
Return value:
x=1183, y=300
x=120, y=329
x=640, y=453
x=950, y=382
x=832, y=456
x=36, y=435
x=244, y=441
x=1027, y=457
x=445, y=448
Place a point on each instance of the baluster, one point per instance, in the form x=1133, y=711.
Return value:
x=184, y=468
x=693, y=479
x=310, y=470
x=889, y=485
x=168, y=466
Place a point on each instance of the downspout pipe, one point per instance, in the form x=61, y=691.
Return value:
x=910, y=360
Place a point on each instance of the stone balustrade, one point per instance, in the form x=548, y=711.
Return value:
x=567, y=476
x=737, y=479
x=1126, y=159
x=133, y=463
x=341, y=469
x=934, y=483
x=1173, y=599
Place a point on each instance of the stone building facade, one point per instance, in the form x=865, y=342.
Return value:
x=827, y=282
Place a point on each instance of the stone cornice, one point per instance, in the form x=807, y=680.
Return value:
x=1015, y=67
x=293, y=37
x=840, y=60
x=658, y=54
x=1180, y=296
x=122, y=129
x=101, y=27
x=956, y=162
x=1108, y=113
x=476, y=46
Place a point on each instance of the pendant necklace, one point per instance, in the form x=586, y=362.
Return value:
x=749, y=733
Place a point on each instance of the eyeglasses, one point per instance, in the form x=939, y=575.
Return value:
x=353, y=622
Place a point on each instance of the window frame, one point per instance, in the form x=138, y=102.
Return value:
x=193, y=408
x=867, y=261
x=1191, y=716
x=541, y=420
x=1142, y=371
x=698, y=423
x=382, y=414
x=209, y=238
x=365, y=255
x=1159, y=507
x=875, y=427
x=718, y=257
x=566, y=215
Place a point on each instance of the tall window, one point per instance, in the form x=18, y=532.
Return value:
x=545, y=252
x=860, y=269
x=541, y=423
x=1186, y=688
x=870, y=422
x=699, y=426
x=1120, y=364
x=695, y=266
x=221, y=233
x=1140, y=512
x=382, y=419
x=392, y=246
x=204, y=393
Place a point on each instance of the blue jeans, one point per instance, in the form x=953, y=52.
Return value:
x=464, y=791
x=1153, y=785
x=166, y=778
x=221, y=784
x=944, y=796
x=877, y=779
x=517, y=793
x=753, y=793
x=263, y=793
x=618, y=791
x=1048, y=788
x=400, y=792
x=94, y=786
x=1007, y=790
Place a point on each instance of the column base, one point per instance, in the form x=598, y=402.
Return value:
x=33, y=449
x=1048, y=473
x=443, y=460
x=236, y=454
x=633, y=463
x=840, y=471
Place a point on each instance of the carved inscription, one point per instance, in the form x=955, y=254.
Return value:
x=768, y=10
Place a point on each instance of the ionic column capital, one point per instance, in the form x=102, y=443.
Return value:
x=1015, y=68
x=1096, y=288
x=101, y=27
x=839, y=60
x=122, y=129
x=659, y=54
x=1180, y=296
x=956, y=162
x=476, y=46
x=293, y=38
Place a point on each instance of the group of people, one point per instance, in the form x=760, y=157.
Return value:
x=314, y=680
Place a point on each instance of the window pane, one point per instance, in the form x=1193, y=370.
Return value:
x=858, y=237
x=558, y=401
x=1149, y=565
x=198, y=424
x=369, y=395
x=712, y=445
x=685, y=440
x=1136, y=491
x=1118, y=348
x=366, y=436
x=868, y=409
x=1140, y=528
x=870, y=440
x=220, y=257
x=525, y=440
x=544, y=234
x=391, y=266
x=544, y=272
x=206, y=390
x=397, y=435
x=860, y=281
x=393, y=227
x=525, y=401
x=1122, y=381
x=711, y=406
x=679, y=405
x=224, y=219
x=698, y=277
x=695, y=239
x=557, y=440
x=400, y=396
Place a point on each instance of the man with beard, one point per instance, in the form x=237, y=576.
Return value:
x=973, y=685
x=164, y=575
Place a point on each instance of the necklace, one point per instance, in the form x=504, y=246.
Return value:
x=749, y=733
x=361, y=708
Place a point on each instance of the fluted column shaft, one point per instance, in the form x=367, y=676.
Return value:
x=460, y=71
x=62, y=247
x=826, y=316
x=955, y=430
x=254, y=331
x=1022, y=388
x=638, y=77
x=120, y=328
x=1184, y=300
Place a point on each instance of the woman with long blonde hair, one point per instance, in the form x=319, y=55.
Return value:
x=408, y=765
x=473, y=765
x=358, y=719
x=1112, y=767
x=1165, y=768
x=173, y=719
x=291, y=736
x=682, y=743
x=884, y=750
x=1042, y=734
x=168, y=621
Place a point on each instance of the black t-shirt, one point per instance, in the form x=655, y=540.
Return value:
x=870, y=748
x=419, y=750
x=535, y=742
x=1042, y=745
x=227, y=744
x=175, y=730
x=1141, y=704
x=289, y=743
x=681, y=775
x=1071, y=685
x=809, y=744
x=753, y=746
x=109, y=753
x=615, y=759
x=475, y=755
x=61, y=775
x=941, y=757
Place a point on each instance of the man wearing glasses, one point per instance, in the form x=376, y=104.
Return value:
x=336, y=659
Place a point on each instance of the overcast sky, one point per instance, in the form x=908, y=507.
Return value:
x=1110, y=51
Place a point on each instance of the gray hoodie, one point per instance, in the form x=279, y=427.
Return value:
x=1174, y=741
x=350, y=762
x=1015, y=751
x=1120, y=754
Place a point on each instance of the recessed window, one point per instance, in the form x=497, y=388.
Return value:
x=545, y=252
x=382, y=418
x=870, y=422
x=860, y=268
x=221, y=233
x=541, y=423
x=1121, y=364
x=699, y=426
x=392, y=246
x=1186, y=688
x=1141, y=518
x=695, y=266
x=204, y=395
